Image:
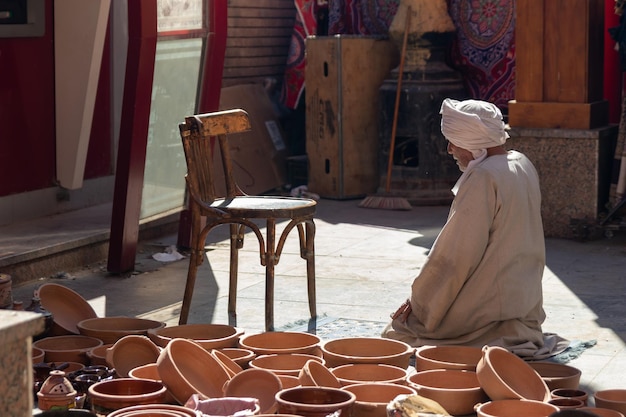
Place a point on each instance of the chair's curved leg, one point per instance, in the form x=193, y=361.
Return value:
x=195, y=260
x=270, y=262
x=236, y=242
x=307, y=252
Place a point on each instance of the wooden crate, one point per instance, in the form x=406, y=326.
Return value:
x=343, y=76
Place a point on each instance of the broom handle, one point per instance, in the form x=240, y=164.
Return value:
x=394, y=123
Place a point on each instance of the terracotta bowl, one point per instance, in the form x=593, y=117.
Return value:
x=130, y=352
x=289, y=381
x=37, y=355
x=283, y=364
x=457, y=391
x=447, y=357
x=68, y=348
x=315, y=401
x=557, y=375
x=339, y=352
x=270, y=343
x=576, y=394
x=98, y=355
x=316, y=374
x=613, y=399
x=504, y=375
x=230, y=365
x=256, y=383
x=241, y=356
x=356, y=373
x=209, y=336
x=515, y=408
x=186, y=368
x=602, y=412
x=372, y=398
x=112, y=394
x=111, y=329
x=66, y=306
x=152, y=409
x=147, y=371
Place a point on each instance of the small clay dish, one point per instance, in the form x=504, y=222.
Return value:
x=209, y=336
x=269, y=343
x=255, y=383
x=447, y=357
x=283, y=364
x=68, y=348
x=67, y=307
x=112, y=394
x=339, y=352
x=515, y=408
x=614, y=399
x=372, y=398
x=358, y=373
x=130, y=352
x=557, y=375
x=315, y=374
x=111, y=329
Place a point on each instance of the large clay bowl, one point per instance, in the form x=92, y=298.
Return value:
x=256, y=383
x=602, y=412
x=356, y=373
x=447, y=357
x=111, y=329
x=66, y=306
x=316, y=374
x=240, y=356
x=98, y=355
x=457, y=391
x=110, y=395
x=186, y=368
x=372, y=398
x=269, y=343
x=209, y=336
x=130, y=352
x=557, y=375
x=504, y=375
x=339, y=352
x=153, y=409
x=68, y=348
x=283, y=364
x=613, y=399
x=515, y=408
x=315, y=401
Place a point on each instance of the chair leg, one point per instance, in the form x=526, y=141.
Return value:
x=236, y=242
x=194, y=262
x=270, y=262
x=310, y=267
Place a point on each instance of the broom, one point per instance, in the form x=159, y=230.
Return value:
x=386, y=201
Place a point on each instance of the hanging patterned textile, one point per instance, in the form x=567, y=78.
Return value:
x=361, y=17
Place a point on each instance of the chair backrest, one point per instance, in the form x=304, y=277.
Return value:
x=198, y=135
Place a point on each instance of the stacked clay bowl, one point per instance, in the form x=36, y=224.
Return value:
x=557, y=375
x=457, y=391
x=504, y=375
x=515, y=408
x=111, y=329
x=67, y=348
x=209, y=336
x=372, y=398
x=356, y=373
x=339, y=352
x=112, y=394
x=270, y=343
x=284, y=364
x=447, y=357
x=613, y=399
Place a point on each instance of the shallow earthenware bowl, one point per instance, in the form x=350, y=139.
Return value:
x=67, y=348
x=283, y=364
x=152, y=410
x=269, y=343
x=557, y=375
x=186, y=368
x=316, y=374
x=209, y=336
x=613, y=399
x=338, y=352
x=357, y=373
x=515, y=408
x=602, y=412
x=315, y=401
x=447, y=357
x=67, y=307
x=457, y=391
x=98, y=355
x=256, y=383
x=111, y=329
x=241, y=356
x=147, y=371
x=504, y=375
x=112, y=394
x=130, y=352
x=372, y=398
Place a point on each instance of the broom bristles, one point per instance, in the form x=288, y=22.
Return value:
x=385, y=203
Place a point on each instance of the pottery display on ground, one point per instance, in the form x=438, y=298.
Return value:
x=68, y=348
x=67, y=307
x=355, y=373
x=504, y=375
x=269, y=343
x=111, y=329
x=515, y=408
x=557, y=375
x=315, y=401
x=613, y=399
x=283, y=364
x=447, y=357
x=372, y=398
x=113, y=394
x=338, y=352
x=256, y=383
x=130, y=352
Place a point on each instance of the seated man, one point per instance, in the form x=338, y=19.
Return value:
x=481, y=283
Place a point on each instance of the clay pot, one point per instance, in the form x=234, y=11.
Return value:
x=111, y=329
x=242, y=357
x=255, y=383
x=315, y=401
x=457, y=391
x=113, y=394
x=66, y=306
x=613, y=399
x=447, y=357
x=56, y=392
x=515, y=408
x=576, y=394
x=315, y=374
x=602, y=412
x=154, y=409
x=147, y=371
x=98, y=355
x=356, y=373
x=289, y=381
x=339, y=352
x=230, y=365
x=68, y=348
x=209, y=336
x=186, y=368
x=557, y=375
x=283, y=364
x=270, y=343
x=372, y=398
x=504, y=375
x=37, y=355
x=130, y=352
x=566, y=403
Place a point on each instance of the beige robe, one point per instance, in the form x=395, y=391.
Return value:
x=481, y=283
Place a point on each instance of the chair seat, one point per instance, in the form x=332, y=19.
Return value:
x=266, y=206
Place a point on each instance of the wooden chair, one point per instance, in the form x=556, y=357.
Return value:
x=238, y=210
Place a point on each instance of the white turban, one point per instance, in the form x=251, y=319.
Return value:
x=472, y=124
